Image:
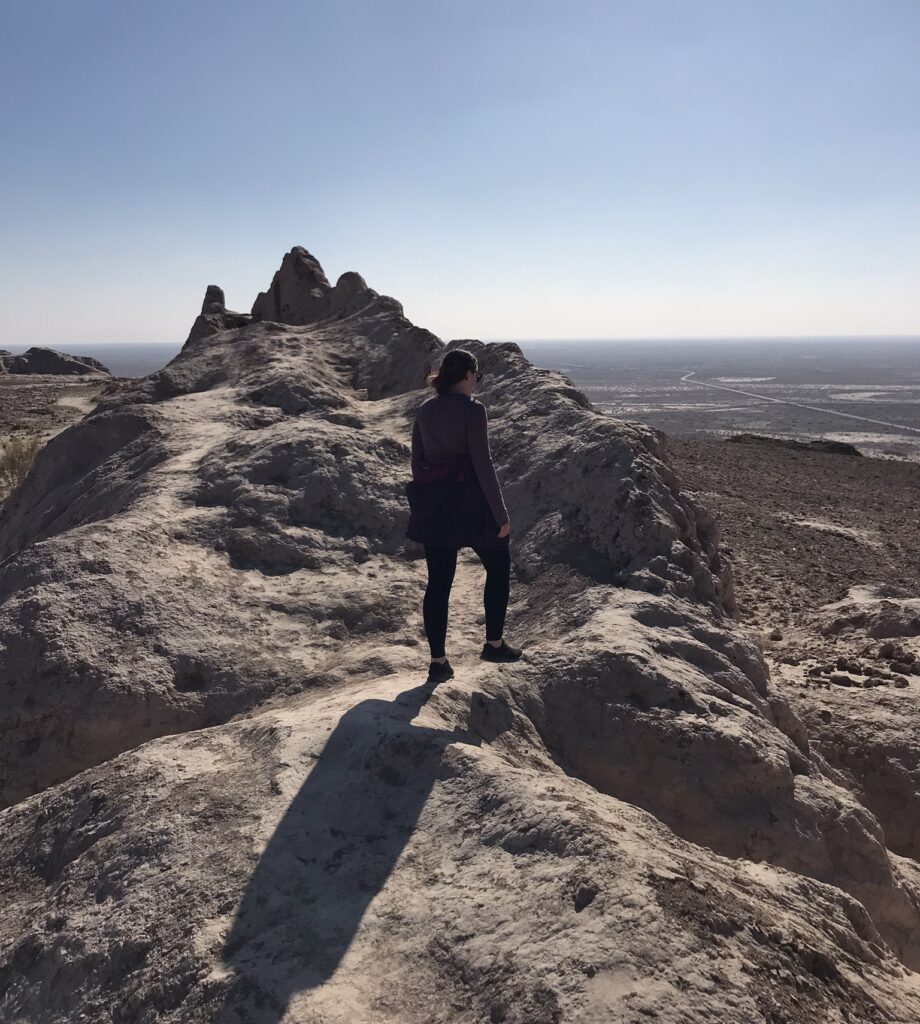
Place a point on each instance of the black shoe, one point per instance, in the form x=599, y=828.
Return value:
x=504, y=653
x=439, y=671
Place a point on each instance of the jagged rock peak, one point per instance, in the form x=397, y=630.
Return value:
x=300, y=293
x=214, y=301
x=214, y=316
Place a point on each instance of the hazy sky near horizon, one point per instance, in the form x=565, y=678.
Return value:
x=506, y=169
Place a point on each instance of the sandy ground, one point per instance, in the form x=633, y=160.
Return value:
x=39, y=404
x=801, y=527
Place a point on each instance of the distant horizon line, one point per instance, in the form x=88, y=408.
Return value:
x=550, y=341
x=732, y=337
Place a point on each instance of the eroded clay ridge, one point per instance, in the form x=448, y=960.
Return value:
x=210, y=641
x=136, y=553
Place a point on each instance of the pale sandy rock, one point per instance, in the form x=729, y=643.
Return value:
x=378, y=853
x=872, y=736
x=208, y=464
x=594, y=492
x=872, y=611
x=230, y=799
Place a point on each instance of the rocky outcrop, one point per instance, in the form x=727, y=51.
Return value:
x=214, y=301
x=214, y=316
x=211, y=640
x=301, y=294
x=48, y=361
x=872, y=736
x=872, y=611
x=214, y=449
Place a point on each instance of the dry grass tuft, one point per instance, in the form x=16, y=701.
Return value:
x=16, y=456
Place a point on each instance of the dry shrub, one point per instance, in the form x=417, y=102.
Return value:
x=16, y=456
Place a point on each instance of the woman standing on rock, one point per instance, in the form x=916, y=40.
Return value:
x=456, y=501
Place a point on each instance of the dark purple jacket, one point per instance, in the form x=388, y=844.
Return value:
x=450, y=440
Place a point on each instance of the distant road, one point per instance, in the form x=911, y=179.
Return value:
x=811, y=408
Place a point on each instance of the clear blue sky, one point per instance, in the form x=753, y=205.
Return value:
x=506, y=169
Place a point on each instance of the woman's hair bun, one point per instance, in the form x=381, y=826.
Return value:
x=455, y=365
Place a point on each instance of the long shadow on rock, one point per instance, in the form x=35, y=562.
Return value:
x=331, y=854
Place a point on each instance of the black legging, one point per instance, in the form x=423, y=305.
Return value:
x=442, y=563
